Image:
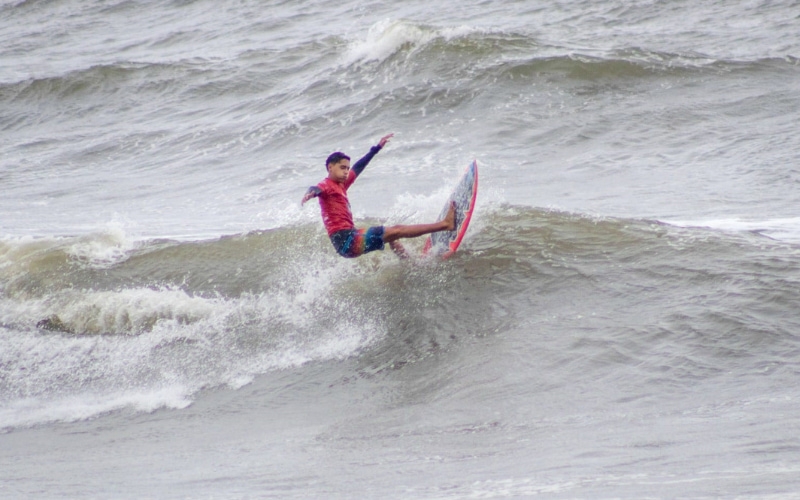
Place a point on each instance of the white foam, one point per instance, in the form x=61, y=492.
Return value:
x=387, y=37
x=166, y=345
x=106, y=247
x=32, y=411
x=384, y=39
x=101, y=248
x=127, y=311
x=781, y=229
x=411, y=208
x=282, y=212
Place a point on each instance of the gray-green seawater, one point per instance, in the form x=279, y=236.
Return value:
x=621, y=320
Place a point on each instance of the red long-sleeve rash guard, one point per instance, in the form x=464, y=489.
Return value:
x=333, y=202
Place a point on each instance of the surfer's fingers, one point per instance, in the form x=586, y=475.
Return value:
x=385, y=139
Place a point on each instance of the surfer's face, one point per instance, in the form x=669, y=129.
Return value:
x=338, y=171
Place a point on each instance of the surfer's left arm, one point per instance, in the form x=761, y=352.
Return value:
x=361, y=164
x=312, y=192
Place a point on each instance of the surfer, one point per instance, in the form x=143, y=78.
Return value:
x=347, y=240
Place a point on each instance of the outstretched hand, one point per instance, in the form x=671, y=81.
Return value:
x=385, y=139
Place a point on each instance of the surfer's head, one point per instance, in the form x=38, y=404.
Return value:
x=338, y=165
x=335, y=158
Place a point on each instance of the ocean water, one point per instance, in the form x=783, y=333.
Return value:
x=621, y=320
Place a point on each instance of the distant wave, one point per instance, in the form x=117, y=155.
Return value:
x=416, y=45
x=461, y=51
x=417, y=65
x=107, y=78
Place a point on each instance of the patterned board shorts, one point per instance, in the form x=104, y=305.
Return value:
x=354, y=242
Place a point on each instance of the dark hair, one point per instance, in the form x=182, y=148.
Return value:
x=336, y=158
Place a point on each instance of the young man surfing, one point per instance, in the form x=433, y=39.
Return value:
x=347, y=240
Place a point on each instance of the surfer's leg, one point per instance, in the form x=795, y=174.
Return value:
x=393, y=233
x=398, y=249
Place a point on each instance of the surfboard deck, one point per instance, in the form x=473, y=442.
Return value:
x=445, y=243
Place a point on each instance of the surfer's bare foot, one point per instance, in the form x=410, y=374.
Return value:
x=450, y=218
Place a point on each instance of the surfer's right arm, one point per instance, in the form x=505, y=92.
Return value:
x=361, y=164
x=312, y=192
